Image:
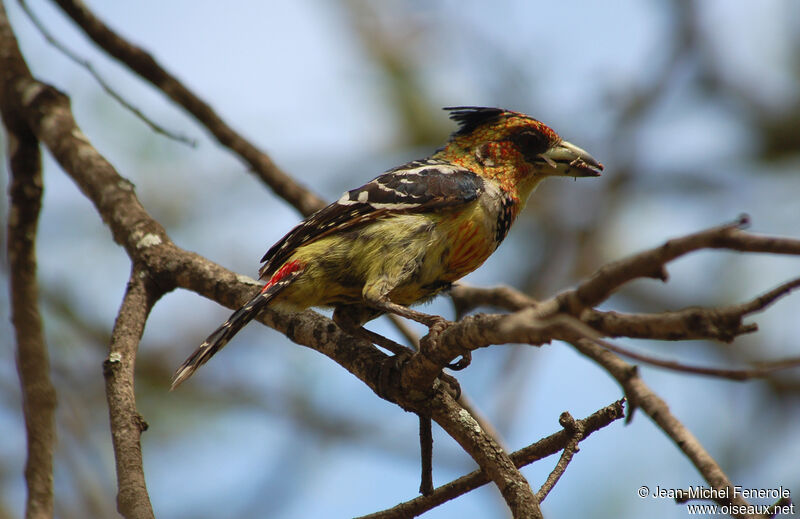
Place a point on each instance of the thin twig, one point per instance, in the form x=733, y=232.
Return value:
x=576, y=435
x=722, y=323
x=763, y=370
x=143, y=64
x=650, y=263
x=86, y=64
x=764, y=300
x=426, y=454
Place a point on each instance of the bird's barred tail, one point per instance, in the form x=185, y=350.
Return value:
x=220, y=337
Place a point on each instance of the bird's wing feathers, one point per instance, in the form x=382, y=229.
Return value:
x=419, y=186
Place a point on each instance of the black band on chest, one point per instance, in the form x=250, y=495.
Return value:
x=505, y=218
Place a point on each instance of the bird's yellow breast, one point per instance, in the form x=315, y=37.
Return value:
x=413, y=255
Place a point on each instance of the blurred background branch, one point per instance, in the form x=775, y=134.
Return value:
x=32, y=358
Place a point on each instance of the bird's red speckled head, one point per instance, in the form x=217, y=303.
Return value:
x=513, y=148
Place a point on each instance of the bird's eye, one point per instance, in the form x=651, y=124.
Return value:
x=530, y=143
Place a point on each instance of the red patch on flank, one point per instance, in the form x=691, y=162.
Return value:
x=285, y=270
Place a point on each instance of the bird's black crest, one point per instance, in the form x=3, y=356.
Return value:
x=471, y=117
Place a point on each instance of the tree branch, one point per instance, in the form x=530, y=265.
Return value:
x=143, y=64
x=467, y=298
x=492, y=459
x=722, y=323
x=525, y=456
x=366, y=362
x=33, y=365
x=640, y=395
x=127, y=424
x=650, y=263
x=533, y=322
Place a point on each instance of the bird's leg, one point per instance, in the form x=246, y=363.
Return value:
x=436, y=324
x=380, y=340
x=376, y=295
x=351, y=319
x=431, y=321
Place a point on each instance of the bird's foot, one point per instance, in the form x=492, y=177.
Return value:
x=436, y=325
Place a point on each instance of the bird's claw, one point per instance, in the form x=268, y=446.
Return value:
x=436, y=325
x=463, y=362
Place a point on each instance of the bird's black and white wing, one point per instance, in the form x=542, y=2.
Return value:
x=419, y=186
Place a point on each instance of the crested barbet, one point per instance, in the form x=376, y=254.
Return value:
x=409, y=233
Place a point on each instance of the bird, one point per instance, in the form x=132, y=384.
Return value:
x=409, y=233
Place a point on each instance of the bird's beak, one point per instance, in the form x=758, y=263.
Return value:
x=570, y=160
